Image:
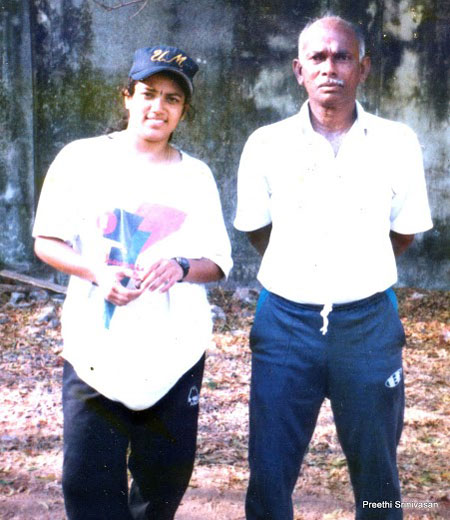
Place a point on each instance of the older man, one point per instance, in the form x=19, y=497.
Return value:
x=328, y=197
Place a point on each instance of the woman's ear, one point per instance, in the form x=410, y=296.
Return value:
x=186, y=109
x=126, y=100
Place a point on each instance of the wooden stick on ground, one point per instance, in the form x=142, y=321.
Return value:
x=35, y=282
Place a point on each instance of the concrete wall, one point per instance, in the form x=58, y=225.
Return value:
x=17, y=194
x=64, y=60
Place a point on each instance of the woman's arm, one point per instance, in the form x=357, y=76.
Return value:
x=61, y=256
x=64, y=258
x=165, y=273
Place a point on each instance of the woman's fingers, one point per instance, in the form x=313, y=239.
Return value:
x=162, y=275
x=113, y=281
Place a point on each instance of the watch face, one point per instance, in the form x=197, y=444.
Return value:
x=184, y=264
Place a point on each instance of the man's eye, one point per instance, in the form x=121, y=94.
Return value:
x=343, y=57
x=173, y=100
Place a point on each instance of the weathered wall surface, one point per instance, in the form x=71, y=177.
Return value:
x=63, y=61
x=414, y=89
x=16, y=136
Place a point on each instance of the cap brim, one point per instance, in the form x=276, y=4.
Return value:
x=143, y=74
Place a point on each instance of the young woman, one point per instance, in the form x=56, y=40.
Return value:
x=129, y=216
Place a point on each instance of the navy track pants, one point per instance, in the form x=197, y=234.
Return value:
x=103, y=438
x=357, y=364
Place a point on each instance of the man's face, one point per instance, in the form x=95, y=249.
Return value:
x=328, y=65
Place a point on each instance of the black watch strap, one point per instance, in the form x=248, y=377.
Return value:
x=184, y=264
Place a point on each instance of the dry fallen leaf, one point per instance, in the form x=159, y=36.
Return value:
x=31, y=416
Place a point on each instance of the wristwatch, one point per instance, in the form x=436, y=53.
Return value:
x=184, y=264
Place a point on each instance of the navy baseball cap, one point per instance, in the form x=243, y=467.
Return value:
x=151, y=60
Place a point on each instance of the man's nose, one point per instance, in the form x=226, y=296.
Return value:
x=329, y=66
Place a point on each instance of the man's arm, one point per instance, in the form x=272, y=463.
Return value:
x=259, y=238
x=400, y=243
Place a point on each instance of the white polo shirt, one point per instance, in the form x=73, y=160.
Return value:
x=331, y=215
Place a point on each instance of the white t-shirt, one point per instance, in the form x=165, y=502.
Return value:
x=114, y=208
x=331, y=215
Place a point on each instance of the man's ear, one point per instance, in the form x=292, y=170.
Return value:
x=297, y=68
x=364, y=65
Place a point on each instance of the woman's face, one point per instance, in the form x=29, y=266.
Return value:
x=155, y=108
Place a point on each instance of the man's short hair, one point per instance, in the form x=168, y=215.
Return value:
x=353, y=27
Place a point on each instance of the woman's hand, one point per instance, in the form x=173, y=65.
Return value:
x=162, y=275
x=112, y=281
x=166, y=272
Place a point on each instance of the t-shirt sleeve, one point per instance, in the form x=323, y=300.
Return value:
x=253, y=197
x=212, y=237
x=56, y=212
x=410, y=211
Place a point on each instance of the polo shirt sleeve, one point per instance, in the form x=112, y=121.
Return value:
x=56, y=212
x=410, y=211
x=253, y=196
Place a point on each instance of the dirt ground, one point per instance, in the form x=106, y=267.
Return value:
x=31, y=419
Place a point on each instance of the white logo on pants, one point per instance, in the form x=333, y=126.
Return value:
x=394, y=379
x=194, y=396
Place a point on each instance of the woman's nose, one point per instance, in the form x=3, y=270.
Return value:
x=157, y=103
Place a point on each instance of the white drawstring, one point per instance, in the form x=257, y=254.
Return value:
x=327, y=308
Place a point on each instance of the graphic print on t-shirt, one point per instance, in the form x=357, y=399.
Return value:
x=134, y=233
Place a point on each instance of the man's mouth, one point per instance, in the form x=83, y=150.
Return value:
x=333, y=83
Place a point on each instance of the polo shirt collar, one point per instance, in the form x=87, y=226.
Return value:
x=360, y=125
